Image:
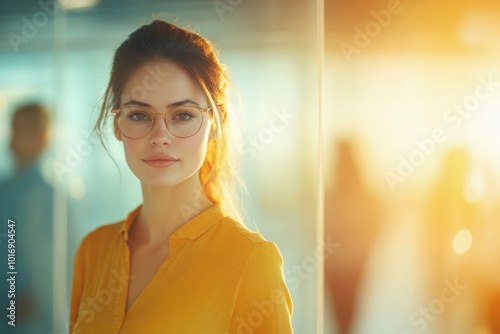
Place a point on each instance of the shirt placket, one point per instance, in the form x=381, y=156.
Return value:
x=119, y=303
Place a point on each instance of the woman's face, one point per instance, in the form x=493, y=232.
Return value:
x=159, y=84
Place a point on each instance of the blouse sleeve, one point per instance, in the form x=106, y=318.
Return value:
x=77, y=286
x=263, y=303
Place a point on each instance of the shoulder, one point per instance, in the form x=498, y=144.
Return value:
x=91, y=244
x=238, y=230
x=250, y=246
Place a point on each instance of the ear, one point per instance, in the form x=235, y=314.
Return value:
x=118, y=134
x=45, y=139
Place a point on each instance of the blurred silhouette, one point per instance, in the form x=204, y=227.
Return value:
x=449, y=257
x=27, y=199
x=352, y=218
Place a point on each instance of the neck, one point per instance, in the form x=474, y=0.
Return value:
x=165, y=210
x=22, y=163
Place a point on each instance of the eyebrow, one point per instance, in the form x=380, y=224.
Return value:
x=174, y=104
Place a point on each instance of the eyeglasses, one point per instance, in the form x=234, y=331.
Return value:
x=137, y=122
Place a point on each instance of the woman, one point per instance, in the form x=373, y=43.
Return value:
x=178, y=263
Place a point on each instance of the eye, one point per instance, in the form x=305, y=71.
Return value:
x=183, y=115
x=138, y=115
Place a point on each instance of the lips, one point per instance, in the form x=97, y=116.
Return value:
x=160, y=160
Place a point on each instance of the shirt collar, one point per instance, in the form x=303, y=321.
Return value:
x=191, y=230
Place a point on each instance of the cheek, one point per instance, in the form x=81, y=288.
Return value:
x=195, y=148
x=132, y=150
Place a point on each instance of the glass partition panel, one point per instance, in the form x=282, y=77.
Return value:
x=413, y=160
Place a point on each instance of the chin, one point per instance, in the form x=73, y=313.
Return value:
x=163, y=177
x=160, y=181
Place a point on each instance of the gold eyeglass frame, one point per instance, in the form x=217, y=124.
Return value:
x=116, y=111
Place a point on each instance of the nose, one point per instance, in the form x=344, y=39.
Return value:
x=160, y=134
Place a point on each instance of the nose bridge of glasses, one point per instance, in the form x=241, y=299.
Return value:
x=167, y=116
x=165, y=122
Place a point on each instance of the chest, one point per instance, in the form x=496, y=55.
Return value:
x=178, y=289
x=144, y=264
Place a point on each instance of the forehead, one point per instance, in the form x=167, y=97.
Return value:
x=162, y=82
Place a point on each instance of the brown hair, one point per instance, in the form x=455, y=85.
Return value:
x=161, y=40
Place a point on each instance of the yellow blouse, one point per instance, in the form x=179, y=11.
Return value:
x=218, y=277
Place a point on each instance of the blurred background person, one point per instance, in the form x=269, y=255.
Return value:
x=352, y=218
x=448, y=226
x=27, y=199
x=486, y=255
